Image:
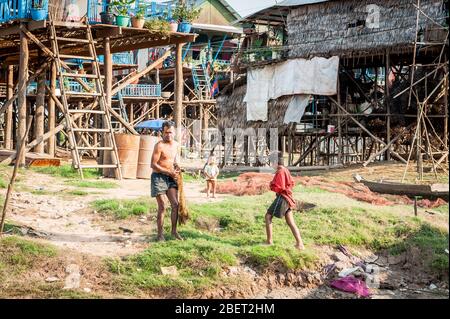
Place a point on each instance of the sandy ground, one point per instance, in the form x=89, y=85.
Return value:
x=69, y=222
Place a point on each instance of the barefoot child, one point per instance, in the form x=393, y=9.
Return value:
x=283, y=204
x=211, y=172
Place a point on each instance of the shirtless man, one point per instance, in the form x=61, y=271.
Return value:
x=164, y=177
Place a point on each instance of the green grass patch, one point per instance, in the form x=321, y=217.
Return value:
x=17, y=254
x=3, y=184
x=78, y=192
x=92, y=184
x=67, y=171
x=122, y=209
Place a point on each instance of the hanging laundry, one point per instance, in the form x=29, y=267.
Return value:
x=317, y=76
x=296, y=108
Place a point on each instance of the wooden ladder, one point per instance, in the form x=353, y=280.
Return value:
x=78, y=138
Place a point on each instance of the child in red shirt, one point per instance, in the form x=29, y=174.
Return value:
x=282, y=184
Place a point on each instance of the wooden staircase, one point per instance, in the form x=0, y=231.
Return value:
x=91, y=91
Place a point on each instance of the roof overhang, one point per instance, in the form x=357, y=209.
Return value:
x=216, y=29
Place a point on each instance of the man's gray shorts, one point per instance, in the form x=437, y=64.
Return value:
x=161, y=183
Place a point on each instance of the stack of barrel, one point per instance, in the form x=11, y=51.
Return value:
x=135, y=155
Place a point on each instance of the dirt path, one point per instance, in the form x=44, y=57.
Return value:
x=69, y=222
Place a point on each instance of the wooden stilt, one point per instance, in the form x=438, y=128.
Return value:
x=178, y=107
x=388, y=104
x=51, y=144
x=39, y=115
x=22, y=96
x=9, y=110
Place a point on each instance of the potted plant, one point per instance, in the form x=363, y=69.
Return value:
x=157, y=25
x=108, y=17
x=185, y=16
x=173, y=21
x=39, y=10
x=138, y=20
x=122, y=8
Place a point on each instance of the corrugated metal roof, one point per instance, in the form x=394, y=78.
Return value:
x=217, y=28
x=294, y=3
x=279, y=9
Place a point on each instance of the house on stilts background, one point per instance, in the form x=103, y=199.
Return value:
x=388, y=98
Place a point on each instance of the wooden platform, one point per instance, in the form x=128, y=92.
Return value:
x=121, y=38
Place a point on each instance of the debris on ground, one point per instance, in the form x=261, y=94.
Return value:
x=169, y=271
x=73, y=279
x=353, y=285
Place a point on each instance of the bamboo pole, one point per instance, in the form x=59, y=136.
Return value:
x=13, y=176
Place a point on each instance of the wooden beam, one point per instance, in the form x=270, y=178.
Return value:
x=140, y=74
x=366, y=130
x=49, y=53
x=30, y=79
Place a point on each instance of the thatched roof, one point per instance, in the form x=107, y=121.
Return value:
x=232, y=111
x=345, y=27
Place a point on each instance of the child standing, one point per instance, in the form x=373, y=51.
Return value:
x=282, y=184
x=211, y=171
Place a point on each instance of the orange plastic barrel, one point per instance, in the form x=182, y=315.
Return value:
x=128, y=149
x=147, y=144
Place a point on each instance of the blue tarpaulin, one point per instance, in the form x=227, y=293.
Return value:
x=151, y=124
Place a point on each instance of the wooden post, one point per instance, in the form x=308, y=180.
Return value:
x=107, y=67
x=415, y=206
x=131, y=114
x=39, y=115
x=388, y=104
x=178, y=107
x=446, y=111
x=22, y=96
x=108, y=70
x=9, y=110
x=51, y=144
x=157, y=111
x=339, y=124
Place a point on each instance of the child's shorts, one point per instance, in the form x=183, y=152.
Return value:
x=279, y=207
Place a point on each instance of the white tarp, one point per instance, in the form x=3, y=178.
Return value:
x=317, y=76
x=296, y=108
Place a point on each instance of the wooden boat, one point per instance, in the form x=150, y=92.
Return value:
x=410, y=190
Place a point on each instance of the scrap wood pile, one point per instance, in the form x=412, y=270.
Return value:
x=258, y=183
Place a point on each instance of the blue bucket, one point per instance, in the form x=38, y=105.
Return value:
x=39, y=14
x=184, y=27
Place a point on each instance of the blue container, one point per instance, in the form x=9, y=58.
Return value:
x=185, y=27
x=39, y=14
